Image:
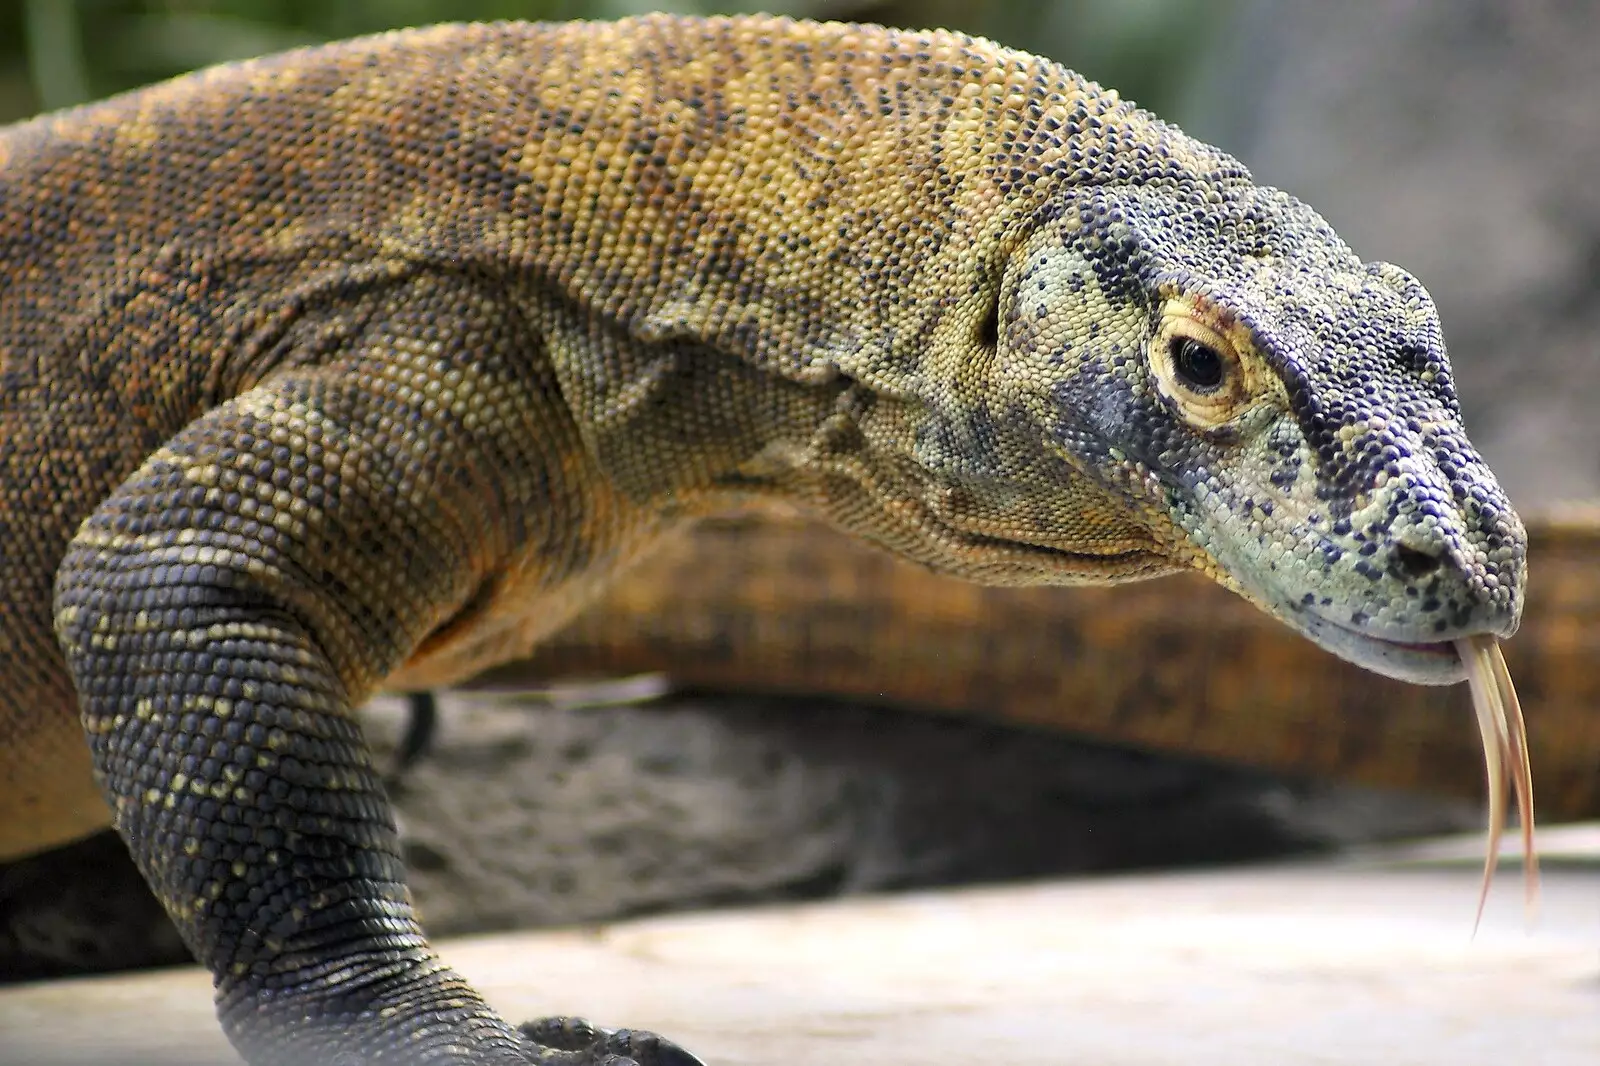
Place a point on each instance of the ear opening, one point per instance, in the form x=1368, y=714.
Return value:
x=989, y=326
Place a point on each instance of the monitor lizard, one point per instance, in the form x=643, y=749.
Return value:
x=368, y=365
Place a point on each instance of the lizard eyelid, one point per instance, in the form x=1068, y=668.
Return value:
x=1200, y=371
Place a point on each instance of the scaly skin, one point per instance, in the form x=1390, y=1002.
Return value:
x=371, y=364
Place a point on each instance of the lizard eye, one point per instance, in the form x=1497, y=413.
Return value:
x=1199, y=371
x=1197, y=365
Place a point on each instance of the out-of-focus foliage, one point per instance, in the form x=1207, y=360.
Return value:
x=54, y=53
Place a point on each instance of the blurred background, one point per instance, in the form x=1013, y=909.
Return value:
x=1458, y=138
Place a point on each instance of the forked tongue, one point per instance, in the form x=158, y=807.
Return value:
x=1505, y=749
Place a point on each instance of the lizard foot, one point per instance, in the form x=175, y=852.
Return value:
x=575, y=1042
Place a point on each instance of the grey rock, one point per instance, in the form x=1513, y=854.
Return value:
x=518, y=813
x=521, y=815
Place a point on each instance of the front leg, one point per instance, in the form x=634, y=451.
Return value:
x=259, y=575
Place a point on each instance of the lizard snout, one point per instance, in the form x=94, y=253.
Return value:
x=1456, y=576
x=1416, y=569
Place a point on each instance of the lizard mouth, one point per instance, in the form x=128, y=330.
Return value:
x=1420, y=662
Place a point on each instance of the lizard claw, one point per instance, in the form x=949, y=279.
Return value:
x=575, y=1042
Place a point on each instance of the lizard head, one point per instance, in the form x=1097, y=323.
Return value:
x=1205, y=376
x=1280, y=414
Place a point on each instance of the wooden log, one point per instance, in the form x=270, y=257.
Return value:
x=776, y=603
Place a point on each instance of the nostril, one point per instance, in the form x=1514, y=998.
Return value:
x=1416, y=562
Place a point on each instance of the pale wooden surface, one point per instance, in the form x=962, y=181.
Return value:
x=1317, y=963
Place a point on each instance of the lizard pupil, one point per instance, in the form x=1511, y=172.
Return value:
x=1198, y=365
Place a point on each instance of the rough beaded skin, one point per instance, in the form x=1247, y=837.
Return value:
x=369, y=364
